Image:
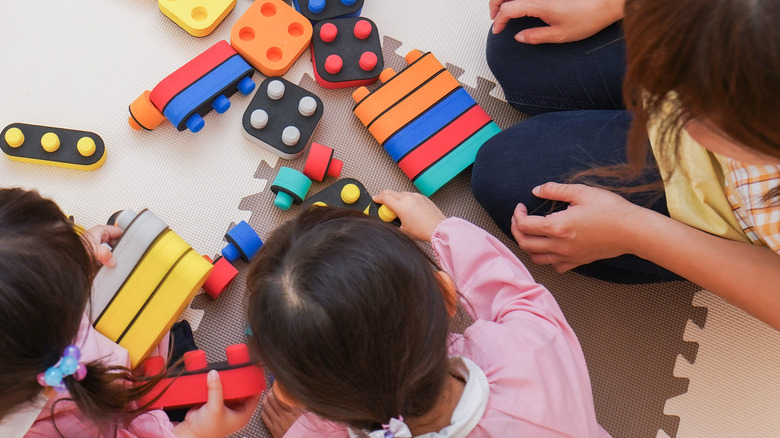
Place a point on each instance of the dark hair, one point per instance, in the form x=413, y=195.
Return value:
x=46, y=273
x=716, y=60
x=347, y=314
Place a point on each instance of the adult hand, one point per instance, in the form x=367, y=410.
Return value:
x=215, y=419
x=596, y=225
x=96, y=236
x=568, y=20
x=277, y=415
x=419, y=215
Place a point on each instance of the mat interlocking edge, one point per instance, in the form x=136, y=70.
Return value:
x=80, y=64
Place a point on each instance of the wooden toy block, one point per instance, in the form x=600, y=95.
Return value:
x=271, y=35
x=316, y=10
x=198, y=17
x=351, y=193
x=52, y=146
x=425, y=120
x=239, y=377
x=321, y=163
x=192, y=91
x=346, y=52
x=243, y=243
x=220, y=278
x=290, y=187
x=282, y=117
x=156, y=276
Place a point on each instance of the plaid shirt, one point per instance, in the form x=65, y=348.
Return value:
x=745, y=187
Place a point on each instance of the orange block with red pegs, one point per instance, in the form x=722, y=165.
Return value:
x=425, y=120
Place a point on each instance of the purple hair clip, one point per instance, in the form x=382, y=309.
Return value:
x=67, y=365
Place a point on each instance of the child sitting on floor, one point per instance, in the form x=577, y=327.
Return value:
x=352, y=319
x=59, y=376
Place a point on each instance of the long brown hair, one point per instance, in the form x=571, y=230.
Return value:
x=347, y=314
x=718, y=60
x=46, y=271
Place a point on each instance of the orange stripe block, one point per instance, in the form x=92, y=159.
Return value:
x=189, y=73
x=415, y=104
x=397, y=88
x=444, y=141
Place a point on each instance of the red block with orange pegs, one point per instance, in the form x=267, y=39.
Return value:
x=321, y=163
x=220, y=278
x=271, y=35
x=240, y=378
x=346, y=52
x=192, y=91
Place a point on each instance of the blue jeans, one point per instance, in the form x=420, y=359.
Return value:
x=573, y=92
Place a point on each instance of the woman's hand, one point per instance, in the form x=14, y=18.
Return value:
x=419, y=215
x=215, y=419
x=96, y=236
x=568, y=20
x=596, y=225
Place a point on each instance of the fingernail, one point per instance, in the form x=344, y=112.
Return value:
x=536, y=190
x=111, y=262
x=520, y=38
x=213, y=376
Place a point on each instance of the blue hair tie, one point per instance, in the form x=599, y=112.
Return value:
x=67, y=365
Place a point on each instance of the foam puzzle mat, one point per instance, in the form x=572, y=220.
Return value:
x=666, y=360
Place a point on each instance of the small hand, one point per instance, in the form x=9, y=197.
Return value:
x=419, y=215
x=215, y=418
x=96, y=236
x=596, y=225
x=568, y=20
x=277, y=415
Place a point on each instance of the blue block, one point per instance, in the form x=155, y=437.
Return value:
x=428, y=124
x=243, y=242
x=198, y=97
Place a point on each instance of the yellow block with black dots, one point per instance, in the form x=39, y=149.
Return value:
x=141, y=284
x=52, y=146
x=163, y=308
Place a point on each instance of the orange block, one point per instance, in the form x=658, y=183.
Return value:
x=271, y=35
x=396, y=87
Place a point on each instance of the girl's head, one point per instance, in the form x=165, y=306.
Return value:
x=45, y=275
x=720, y=58
x=347, y=313
x=46, y=272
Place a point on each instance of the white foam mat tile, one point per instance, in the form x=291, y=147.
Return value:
x=734, y=383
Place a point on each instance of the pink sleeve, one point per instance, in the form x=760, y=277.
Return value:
x=495, y=284
x=153, y=423
x=312, y=426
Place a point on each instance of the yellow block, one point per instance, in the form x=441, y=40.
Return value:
x=165, y=306
x=147, y=275
x=198, y=17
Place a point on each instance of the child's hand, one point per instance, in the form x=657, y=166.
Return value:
x=419, y=215
x=215, y=419
x=97, y=236
x=277, y=415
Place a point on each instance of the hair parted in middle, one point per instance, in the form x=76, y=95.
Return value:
x=347, y=313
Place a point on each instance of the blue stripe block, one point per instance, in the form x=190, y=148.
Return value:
x=444, y=170
x=205, y=89
x=428, y=124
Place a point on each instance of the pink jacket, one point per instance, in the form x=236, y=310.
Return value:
x=533, y=364
x=72, y=423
